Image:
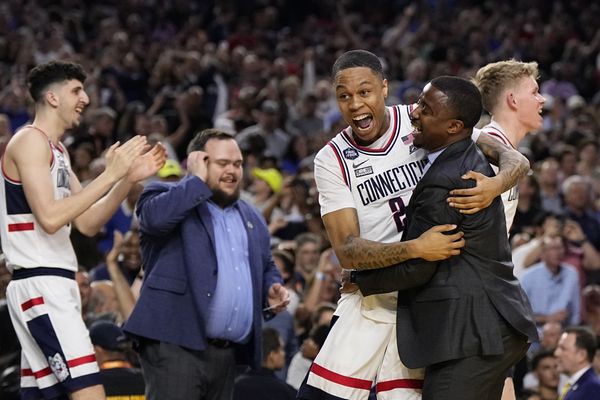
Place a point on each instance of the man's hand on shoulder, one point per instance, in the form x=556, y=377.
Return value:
x=472, y=200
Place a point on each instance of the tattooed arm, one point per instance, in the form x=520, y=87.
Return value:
x=355, y=252
x=512, y=166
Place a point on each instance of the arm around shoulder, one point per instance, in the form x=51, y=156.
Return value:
x=407, y=275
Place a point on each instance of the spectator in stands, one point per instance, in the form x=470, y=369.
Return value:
x=545, y=370
x=120, y=379
x=575, y=353
x=579, y=198
x=553, y=287
x=302, y=361
x=262, y=384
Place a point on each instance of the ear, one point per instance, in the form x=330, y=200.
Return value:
x=51, y=98
x=455, y=126
x=385, y=88
x=510, y=100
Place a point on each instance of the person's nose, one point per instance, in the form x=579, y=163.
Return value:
x=355, y=103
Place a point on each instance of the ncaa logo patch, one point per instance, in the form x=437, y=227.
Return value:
x=58, y=367
x=350, y=153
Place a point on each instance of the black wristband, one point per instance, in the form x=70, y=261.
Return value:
x=353, y=276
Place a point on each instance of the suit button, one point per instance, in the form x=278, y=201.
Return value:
x=208, y=294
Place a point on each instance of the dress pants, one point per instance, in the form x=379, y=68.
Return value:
x=477, y=377
x=173, y=372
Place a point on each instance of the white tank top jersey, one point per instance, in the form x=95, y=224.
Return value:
x=24, y=242
x=510, y=198
x=377, y=181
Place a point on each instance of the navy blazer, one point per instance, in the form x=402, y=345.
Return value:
x=587, y=387
x=449, y=309
x=180, y=266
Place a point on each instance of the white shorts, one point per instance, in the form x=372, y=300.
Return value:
x=360, y=353
x=57, y=356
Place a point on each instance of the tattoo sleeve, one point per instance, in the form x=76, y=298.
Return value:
x=367, y=254
x=512, y=164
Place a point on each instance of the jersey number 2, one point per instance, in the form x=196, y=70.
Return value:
x=398, y=212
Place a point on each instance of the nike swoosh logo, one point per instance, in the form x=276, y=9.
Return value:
x=354, y=165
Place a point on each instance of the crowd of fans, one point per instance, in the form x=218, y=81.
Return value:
x=260, y=70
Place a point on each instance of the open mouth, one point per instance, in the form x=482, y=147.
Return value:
x=363, y=122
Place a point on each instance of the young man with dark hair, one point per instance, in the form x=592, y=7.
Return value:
x=41, y=198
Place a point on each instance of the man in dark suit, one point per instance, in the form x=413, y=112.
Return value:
x=575, y=353
x=465, y=319
x=208, y=278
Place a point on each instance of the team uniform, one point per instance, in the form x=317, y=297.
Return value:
x=43, y=297
x=510, y=198
x=360, y=350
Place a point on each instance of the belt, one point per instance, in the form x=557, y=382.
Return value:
x=23, y=273
x=220, y=343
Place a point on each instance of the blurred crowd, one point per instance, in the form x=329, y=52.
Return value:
x=260, y=70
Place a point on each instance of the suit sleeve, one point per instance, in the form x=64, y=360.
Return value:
x=430, y=209
x=162, y=206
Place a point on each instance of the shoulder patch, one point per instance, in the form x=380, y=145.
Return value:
x=350, y=153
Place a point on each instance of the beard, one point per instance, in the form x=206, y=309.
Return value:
x=223, y=199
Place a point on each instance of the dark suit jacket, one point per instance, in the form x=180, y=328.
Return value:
x=450, y=309
x=179, y=258
x=586, y=388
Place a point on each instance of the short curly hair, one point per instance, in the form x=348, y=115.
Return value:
x=44, y=75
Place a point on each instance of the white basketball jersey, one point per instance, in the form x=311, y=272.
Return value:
x=24, y=242
x=377, y=181
x=510, y=198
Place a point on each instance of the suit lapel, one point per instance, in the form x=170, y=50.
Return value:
x=452, y=149
x=206, y=220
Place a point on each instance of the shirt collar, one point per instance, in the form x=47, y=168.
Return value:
x=575, y=377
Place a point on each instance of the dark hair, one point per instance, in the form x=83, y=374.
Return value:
x=357, y=58
x=44, y=75
x=539, y=356
x=318, y=334
x=584, y=340
x=270, y=342
x=463, y=98
x=202, y=137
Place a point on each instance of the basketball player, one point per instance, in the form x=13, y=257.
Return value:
x=41, y=197
x=365, y=177
x=510, y=93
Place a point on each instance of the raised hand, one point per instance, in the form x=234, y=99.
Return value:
x=435, y=245
x=113, y=254
x=148, y=163
x=120, y=158
x=197, y=164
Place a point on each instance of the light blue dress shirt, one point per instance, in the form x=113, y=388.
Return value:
x=230, y=314
x=549, y=293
